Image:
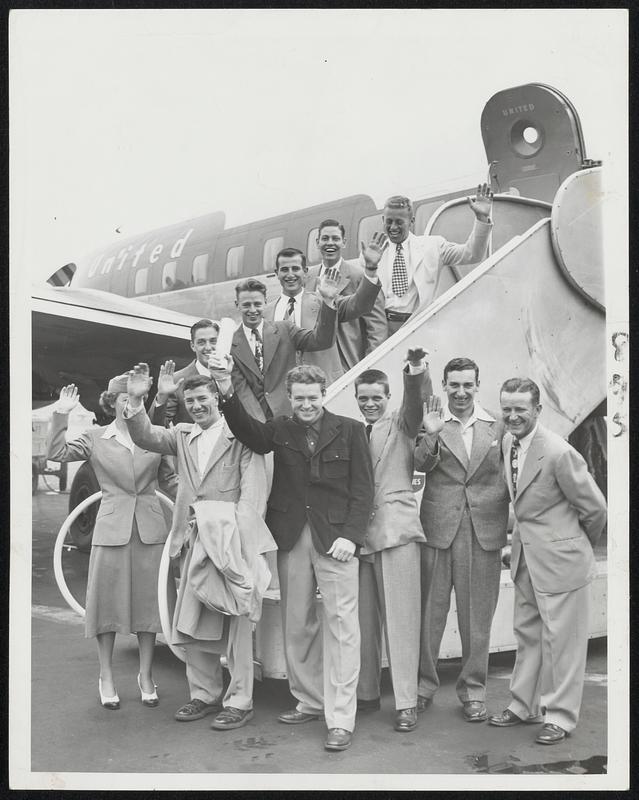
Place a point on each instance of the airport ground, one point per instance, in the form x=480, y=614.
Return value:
x=71, y=732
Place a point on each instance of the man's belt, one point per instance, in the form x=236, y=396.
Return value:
x=395, y=316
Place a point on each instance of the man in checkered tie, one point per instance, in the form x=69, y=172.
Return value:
x=410, y=267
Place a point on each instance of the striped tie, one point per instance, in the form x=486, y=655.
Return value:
x=514, y=464
x=259, y=350
x=399, y=280
x=290, y=309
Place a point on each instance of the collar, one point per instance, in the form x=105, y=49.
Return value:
x=406, y=243
x=260, y=330
x=314, y=426
x=202, y=370
x=284, y=298
x=196, y=430
x=337, y=266
x=525, y=441
x=478, y=413
x=123, y=437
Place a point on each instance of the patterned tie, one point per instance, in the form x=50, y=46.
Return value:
x=399, y=280
x=259, y=349
x=290, y=309
x=514, y=464
x=369, y=428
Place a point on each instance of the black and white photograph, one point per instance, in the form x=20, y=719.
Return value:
x=326, y=313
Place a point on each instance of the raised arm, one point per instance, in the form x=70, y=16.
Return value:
x=58, y=449
x=323, y=334
x=155, y=438
x=417, y=384
x=165, y=404
x=427, y=450
x=474, y=248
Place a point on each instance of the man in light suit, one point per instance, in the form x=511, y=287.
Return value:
x=559, y=513
x=389, y=570
x=464, y=513
x=410, y=267
x=212, y=465
x=356, y=338
x=263, y=352
x=302, y=306
x=168, y=409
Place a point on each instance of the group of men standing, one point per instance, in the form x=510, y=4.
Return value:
x=340, y=504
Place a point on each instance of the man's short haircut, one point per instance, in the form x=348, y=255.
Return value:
x=203, y=323
x=399, y=201
x=459, y=364
x=331, y=223
x=195, y=381
x=289, y=252
x=513, y=385
x=107, y=403
x=250, y=285
x=306, y=373
x=372, y=376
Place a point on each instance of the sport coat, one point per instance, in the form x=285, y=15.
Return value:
x=454, y=482
x=430, y=253
x=349, y=307
x=233, y=473
x=356, y=338
x=264, y=395
x=332, y=490
x=173, y=410
x=559, y=511
x=395, y=519
x=128, y=482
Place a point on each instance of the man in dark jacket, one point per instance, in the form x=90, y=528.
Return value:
x=318, y=513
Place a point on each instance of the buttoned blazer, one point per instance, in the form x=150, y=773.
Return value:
x=233, y=473
x=173, y=410
x=128, y=482
x=559, y=512
x=356, y=338
x=332, y=490
x=430, y=253
x=395, y=519
x=454, y=482
x=264, y=395
x=349, y=307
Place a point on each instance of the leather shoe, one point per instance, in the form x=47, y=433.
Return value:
x=368, y=705
x=195, y=709
x=508, y=718
x=551, y=734
x=474, y=711
x=230, y=718
x=406, y=719
x=295, y=717
x=423, y=703
x=338, y=739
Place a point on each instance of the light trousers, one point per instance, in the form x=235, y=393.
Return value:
x=322, y=655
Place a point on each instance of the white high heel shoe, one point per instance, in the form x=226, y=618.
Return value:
x=150, y=699
x=111, y=703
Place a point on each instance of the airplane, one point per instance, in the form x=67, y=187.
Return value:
x=138, y=297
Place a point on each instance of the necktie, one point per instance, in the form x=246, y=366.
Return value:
x=399, y=279
x=290, y=309
x=259, y=350
x=514, y=464
x=369, y=428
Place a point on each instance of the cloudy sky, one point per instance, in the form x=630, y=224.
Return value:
x=134, y=119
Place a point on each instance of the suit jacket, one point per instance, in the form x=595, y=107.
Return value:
x=559, y=513
x=264, y=395
x=356, y=338
x=454, y=482
x=233, y=472
x=395, y=519
x=430, y=253
x=349, y=307
x=173, y=410
x=128, y=483
x=332, y=490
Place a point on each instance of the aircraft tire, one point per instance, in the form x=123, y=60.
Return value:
x=84, y=485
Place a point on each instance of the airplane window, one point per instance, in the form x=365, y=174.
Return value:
x=312, y=251
x=168, y=275
x=141, y=277
x=271, y=249
x=367, y=227
x=200, y=264
x=234, y=261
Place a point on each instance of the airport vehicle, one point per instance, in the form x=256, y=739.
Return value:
x=534, y=306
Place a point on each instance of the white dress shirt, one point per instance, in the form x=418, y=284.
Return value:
x=206, y=441
x=282, y=304
x=250, y=338
x=202, y=370
x=466, y=428
x=121, y=436
x=409, y=301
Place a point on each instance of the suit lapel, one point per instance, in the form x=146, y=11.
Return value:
x=224, y=442
x=329, y=429
x=451, y=436
x=505, y=448
x=532, y=464
x=483, y=437
x=271, y=338
x=241, y=351
x=380, y=434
